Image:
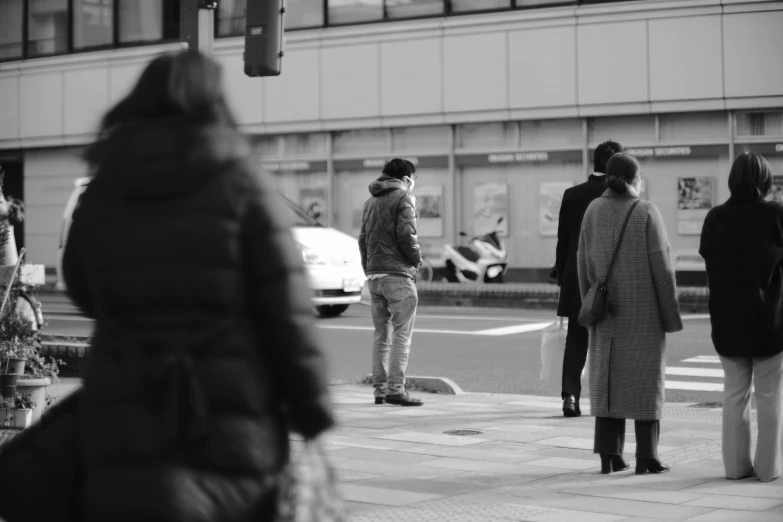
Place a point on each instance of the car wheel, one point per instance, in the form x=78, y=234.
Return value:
x=331, y=310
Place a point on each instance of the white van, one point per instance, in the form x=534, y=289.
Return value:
x=332, y=257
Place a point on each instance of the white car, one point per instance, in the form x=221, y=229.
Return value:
x=332, y=257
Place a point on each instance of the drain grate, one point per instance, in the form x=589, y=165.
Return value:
x=462, y=433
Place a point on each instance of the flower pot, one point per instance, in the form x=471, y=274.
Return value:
x=17, y=418
x=37, y=389
x=16, y=366
x=9, y=379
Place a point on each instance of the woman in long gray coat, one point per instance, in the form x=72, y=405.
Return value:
x=627, y=349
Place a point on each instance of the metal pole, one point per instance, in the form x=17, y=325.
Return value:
x=197, y=22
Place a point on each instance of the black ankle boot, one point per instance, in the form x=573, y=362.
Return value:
x=606, y=464
x=618, y=463
x=611, y=463
x=644, y=466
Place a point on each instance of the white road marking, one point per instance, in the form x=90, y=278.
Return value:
x=695, y=316
x=509, y=330
x=703, y=359
x=694, y=372
x=694, y=386
x=495, y=332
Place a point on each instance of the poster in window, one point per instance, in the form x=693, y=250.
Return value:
x=695, y=198
x=490, y=202
x=550, y=197
x=313, y=201
x=777, y=190
x=429, y=210
x=359, y=196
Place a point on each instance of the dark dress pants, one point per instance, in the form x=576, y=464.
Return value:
x=574, y=359
x=610, y=437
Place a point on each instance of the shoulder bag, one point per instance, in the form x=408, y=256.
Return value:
x=594, y=304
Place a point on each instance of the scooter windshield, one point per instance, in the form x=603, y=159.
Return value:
x=492, y=238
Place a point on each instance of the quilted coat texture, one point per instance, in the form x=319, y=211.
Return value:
x=204, y=354
x=742, y=245
x=388, y=241
x=627, y=349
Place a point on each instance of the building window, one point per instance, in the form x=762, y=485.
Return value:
x=305, y=145
x=304, y=13
x=369, y=141
x=553, y=133
x=148, y=20
x=488, y=136
x=48, y=27
x=11, y=23
x=543, y=3
x=691, y=127
x=268, y=147
x=413, y=8
x=465, y=6
x=624, y=129
x=354, y=11
x=93, y=23
x=409, y=139
x=231, y=17
x=751, y=124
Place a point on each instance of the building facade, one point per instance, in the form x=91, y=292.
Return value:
x=499, y=104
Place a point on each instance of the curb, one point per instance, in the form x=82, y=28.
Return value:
x=427, y=384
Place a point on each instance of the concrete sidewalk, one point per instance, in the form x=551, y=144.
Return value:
x=524, y=461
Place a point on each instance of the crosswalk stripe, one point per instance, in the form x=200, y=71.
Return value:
x=707, y=359
x=694, y=386
x=694, y=372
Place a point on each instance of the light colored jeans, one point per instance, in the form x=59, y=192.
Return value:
x=394, y=300
x=767, y=376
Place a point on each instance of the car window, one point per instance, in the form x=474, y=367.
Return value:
x=297, y=216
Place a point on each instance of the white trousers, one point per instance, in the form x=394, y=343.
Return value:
x=767, y=376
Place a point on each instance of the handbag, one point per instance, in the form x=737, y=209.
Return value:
x=307, y=488
x=553, y=341
x=595, y=302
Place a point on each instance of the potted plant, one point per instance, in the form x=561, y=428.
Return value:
x=21, y=414
x=41, y=372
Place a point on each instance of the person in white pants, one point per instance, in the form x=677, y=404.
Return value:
x=742, y=244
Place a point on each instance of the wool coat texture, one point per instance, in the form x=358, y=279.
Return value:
x=627, y=349
x=204, y=354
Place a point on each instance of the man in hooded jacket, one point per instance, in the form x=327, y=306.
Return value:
x=391, y=256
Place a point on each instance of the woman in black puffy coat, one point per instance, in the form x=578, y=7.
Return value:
x=204, y=355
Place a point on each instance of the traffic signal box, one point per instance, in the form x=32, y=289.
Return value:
x=264, y=37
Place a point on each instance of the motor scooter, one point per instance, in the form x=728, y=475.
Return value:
x=485, y=259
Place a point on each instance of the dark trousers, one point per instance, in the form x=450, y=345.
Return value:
x=610, y=437
x=574, y=358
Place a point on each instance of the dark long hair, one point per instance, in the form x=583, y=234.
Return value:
x=182, y=84
x=750, y=178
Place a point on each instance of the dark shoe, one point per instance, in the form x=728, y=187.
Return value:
x=610, y=463
x=380, y=400
x=571, y=407
x=403, y=399
x=644, y=466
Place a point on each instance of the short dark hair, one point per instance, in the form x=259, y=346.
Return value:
x=602, y=154
x=621, y=170
x=750, y=178
x=399, y=168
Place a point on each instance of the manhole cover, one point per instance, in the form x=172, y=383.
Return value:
x=462, y=433
x=708, y=405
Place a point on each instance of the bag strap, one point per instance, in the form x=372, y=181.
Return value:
x=620, y=241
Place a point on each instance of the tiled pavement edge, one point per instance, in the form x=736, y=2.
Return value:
x=528, y=463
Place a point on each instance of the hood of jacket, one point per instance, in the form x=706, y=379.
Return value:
x=386, y=184
x=165, y=159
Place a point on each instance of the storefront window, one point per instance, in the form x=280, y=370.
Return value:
x=463, y=6
x=11, y=14
x=48, y=27
x=148, y=20
x=231, y=17
x=769, y=123
x=93, y=23
x=694, y=126
x=413, y=8
x=408, y=139
x=268, y=146
x=304, y=13
x=305, y=145
x=624, y=129
x=488, y=136
x=551, y=133
x=354, y=11
x=369, y=141
x=543, y=3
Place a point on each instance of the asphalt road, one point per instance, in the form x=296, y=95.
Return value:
x=481, y=349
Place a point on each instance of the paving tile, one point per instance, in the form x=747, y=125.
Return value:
x=516, y=436
x=374, y=423
x=560, y=515
x=512, y=447
x=682, y=441
x=569, y=442
x=471, y=453
x=341, y=441
x=726, y=515
x=431, y=438
x=487, y=479
x=374, y=455
x=569, y=453
x=614, y=506
x=665, y=482
x=698, y=434
x=634, y=493
x=741, y=488
x=738, y=503
x=414, y=412
x=385, y=468
x=353, y=476
x=431, y=486
x=564, y=463
x=475, y=465
x=714, y=465
x=384, y=497
x=522, y=428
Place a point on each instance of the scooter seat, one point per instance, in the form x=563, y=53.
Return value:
x=468, y=253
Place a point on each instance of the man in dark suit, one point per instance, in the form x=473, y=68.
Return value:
x=573, y=208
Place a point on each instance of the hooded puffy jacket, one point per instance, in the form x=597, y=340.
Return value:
x=388, y=241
